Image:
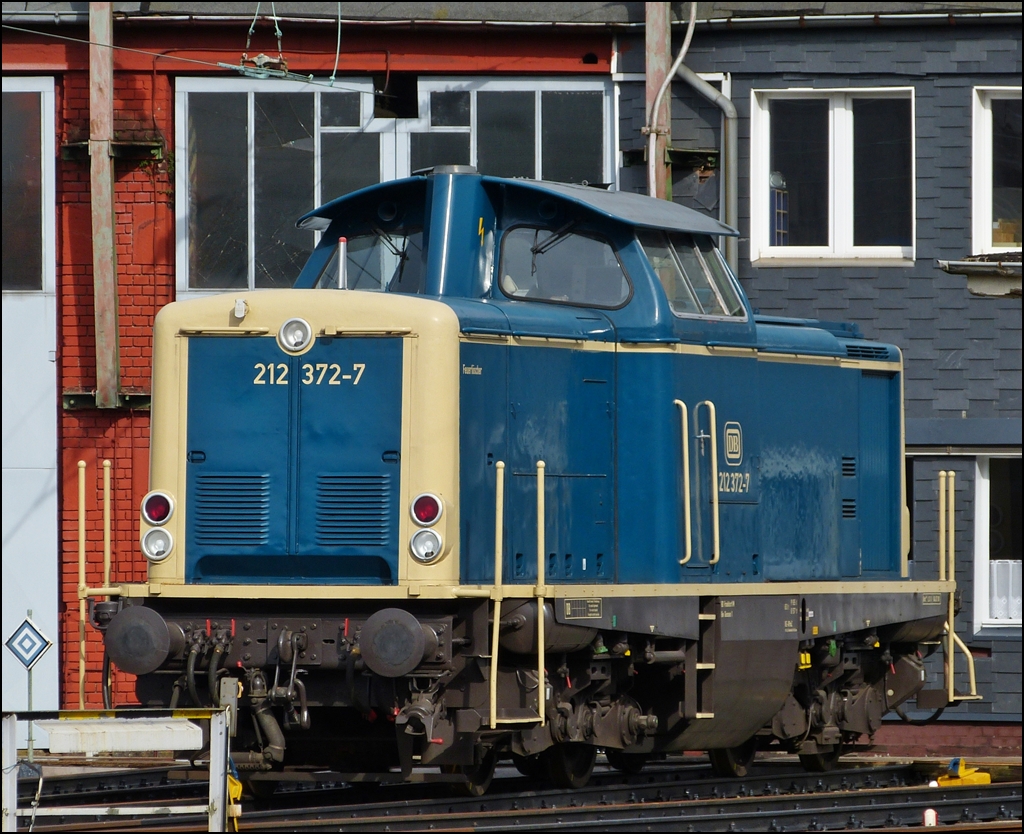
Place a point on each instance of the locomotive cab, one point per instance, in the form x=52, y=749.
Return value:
x=515, y=470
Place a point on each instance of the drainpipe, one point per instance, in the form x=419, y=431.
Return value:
x=101, y=191
x=731, y=170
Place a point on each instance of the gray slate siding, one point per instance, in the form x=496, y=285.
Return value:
x=962, y=353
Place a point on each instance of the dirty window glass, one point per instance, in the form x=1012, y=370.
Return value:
x=1006, y=172
x=505, y=134
x=677, y=288
x=719, y=275
x=218, y=177
x=23, y=193
x=561, y=265
x=283, y=157
x=572, y=147
x=391, y=261
x=882, y=168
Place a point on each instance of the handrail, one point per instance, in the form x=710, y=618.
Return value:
x=541, y=689
x=106, y=523
x=498, y=595
x=685, y=437
x=81, y=584
x=716, y=544
x=947, y=569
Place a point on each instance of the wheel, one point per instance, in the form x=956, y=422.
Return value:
x=570, y=764
x=626, y=762
x=531, y=766
x=822, y=761
x=477, y=777
x=733, y=761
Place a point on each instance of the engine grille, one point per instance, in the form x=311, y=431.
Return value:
x=867, y=352
x=231, y=509
x=353, y=510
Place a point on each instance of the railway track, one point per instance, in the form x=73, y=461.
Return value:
x=776, y=797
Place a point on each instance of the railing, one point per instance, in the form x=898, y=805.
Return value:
x=712, y=436
x=947, y=569
x=687, y=525
x=84, y=591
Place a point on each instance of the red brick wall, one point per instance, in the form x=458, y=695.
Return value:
x=947, y=739
x=144, y=235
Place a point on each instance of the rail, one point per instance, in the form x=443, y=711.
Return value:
x=687, y=524
x=947, y=569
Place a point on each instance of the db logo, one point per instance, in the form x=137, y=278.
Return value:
x=733, y=444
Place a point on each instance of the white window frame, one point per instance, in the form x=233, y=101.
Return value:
x=395, y=145
x=981, y=169
x=184, y=86
x=840, y=250
x=983, y=623
x=47, y=103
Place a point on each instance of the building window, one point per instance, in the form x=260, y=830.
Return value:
x=997, y=543
x=261, y=153
x=996, y=172
x=832, y=175
x=28, y=156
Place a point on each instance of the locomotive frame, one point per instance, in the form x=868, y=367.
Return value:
x=642, y=538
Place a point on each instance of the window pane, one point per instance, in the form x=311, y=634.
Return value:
x=882, y=189
x=572, y=137
x=218, y=189
x=1006, y=172
x=339, y=109
x=449, y=109
x=693, y=267
x=283, y=185
x=23, y=192
x=799, y=172
x=719, y=274
x=1005, y=539
x=430, y=149
x=505, y=134
x=545, y=265
x=680, y=296
x=348, y=162
x=393, y=261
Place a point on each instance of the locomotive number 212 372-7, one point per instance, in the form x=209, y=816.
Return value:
x=322, y=373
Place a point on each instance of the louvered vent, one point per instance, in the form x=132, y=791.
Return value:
x=849, y=467
x=231, y=510
x=849, y=508
x=353, y=510
x=867, y=352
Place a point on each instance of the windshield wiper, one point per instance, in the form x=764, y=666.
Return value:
x=554, y=239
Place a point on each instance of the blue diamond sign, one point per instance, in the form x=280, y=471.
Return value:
x=28, y=643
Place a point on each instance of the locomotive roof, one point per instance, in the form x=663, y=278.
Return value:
x=635, y=209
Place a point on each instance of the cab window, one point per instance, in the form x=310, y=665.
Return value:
x=561, y=265
x=692, y=274
x=380, y=261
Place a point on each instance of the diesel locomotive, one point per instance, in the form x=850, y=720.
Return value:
x=515, y=470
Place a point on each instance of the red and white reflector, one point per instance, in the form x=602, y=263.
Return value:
x=426, y=509
x=157, y=508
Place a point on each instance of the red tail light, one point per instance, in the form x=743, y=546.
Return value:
x=426, y=509
x=157, y=507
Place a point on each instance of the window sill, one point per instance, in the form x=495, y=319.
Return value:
x=766, y=261
x=999, y=628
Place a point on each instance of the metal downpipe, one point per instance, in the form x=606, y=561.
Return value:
x=724, y=103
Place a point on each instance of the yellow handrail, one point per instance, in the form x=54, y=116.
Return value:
x=498, y=595
x=716, y=549
x=686, y=481
x=541, y=690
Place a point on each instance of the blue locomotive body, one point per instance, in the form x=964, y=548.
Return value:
x=696, y=513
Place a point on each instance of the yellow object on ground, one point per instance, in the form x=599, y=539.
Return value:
x=960, y=774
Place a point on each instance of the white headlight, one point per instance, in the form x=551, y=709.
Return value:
x=295, y=335
x=425, y=545
x=157, y=544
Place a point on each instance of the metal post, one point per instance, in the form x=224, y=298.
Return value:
x=541, y=683
x=942, y=525
x=218, y=770
x=106, y=524
x=10, y=772
x=31, y=738
x=951, y=551
x=342, y=263
x=81, y=584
